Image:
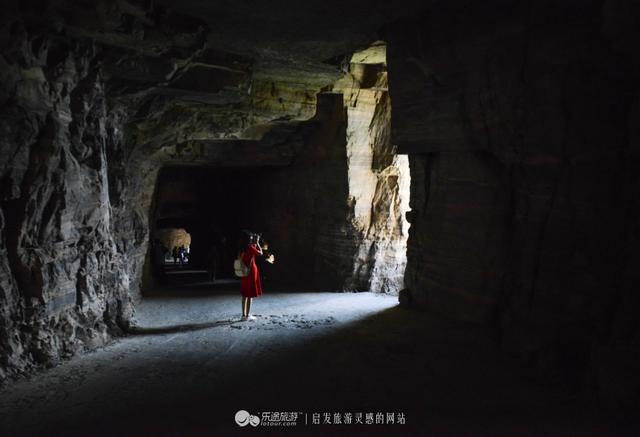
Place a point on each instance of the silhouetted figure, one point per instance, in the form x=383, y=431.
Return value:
x=182, y=255
x=175, y=254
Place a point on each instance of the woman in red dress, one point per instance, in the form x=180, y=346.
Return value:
x=250, y=285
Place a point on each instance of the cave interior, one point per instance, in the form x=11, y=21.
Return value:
x=466, y=172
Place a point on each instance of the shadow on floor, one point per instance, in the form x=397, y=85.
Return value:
x=444, y=377
x=172, y=329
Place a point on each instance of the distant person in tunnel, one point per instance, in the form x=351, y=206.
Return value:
x=250, y=285
x=182, y=255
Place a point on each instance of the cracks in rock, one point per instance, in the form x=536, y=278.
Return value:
x=28, y=277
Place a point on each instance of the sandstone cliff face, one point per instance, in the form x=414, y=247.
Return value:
x=520, y=122
x=378, y=177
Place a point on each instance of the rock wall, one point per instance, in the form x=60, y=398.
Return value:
x=378, y=177
x=337, y=212
x=303, y=208
x=74, y=234
x=95, y=99
x=520, y=120
x=66, y=272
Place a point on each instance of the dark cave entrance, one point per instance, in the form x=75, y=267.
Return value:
x=205, y=209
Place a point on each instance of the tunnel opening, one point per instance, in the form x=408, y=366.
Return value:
x=172, y=246
x=203, y=210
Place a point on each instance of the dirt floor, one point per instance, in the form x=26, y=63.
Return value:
x=191, y=365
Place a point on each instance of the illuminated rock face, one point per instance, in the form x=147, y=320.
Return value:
x=378, y=178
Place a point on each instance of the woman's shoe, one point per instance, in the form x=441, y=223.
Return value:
x=243, y=318
x=250, y=318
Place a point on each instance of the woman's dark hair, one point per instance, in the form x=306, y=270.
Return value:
x=244, y=239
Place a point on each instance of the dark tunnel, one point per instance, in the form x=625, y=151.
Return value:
x=210, y=208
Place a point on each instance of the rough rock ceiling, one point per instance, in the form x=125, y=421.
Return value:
x=302, y=32
x=216, y=70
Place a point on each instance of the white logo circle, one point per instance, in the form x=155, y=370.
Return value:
x=244, y=418
x=254, y=420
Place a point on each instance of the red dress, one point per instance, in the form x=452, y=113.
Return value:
x=250, y=285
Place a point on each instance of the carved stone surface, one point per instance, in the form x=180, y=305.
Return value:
x=521, y=124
